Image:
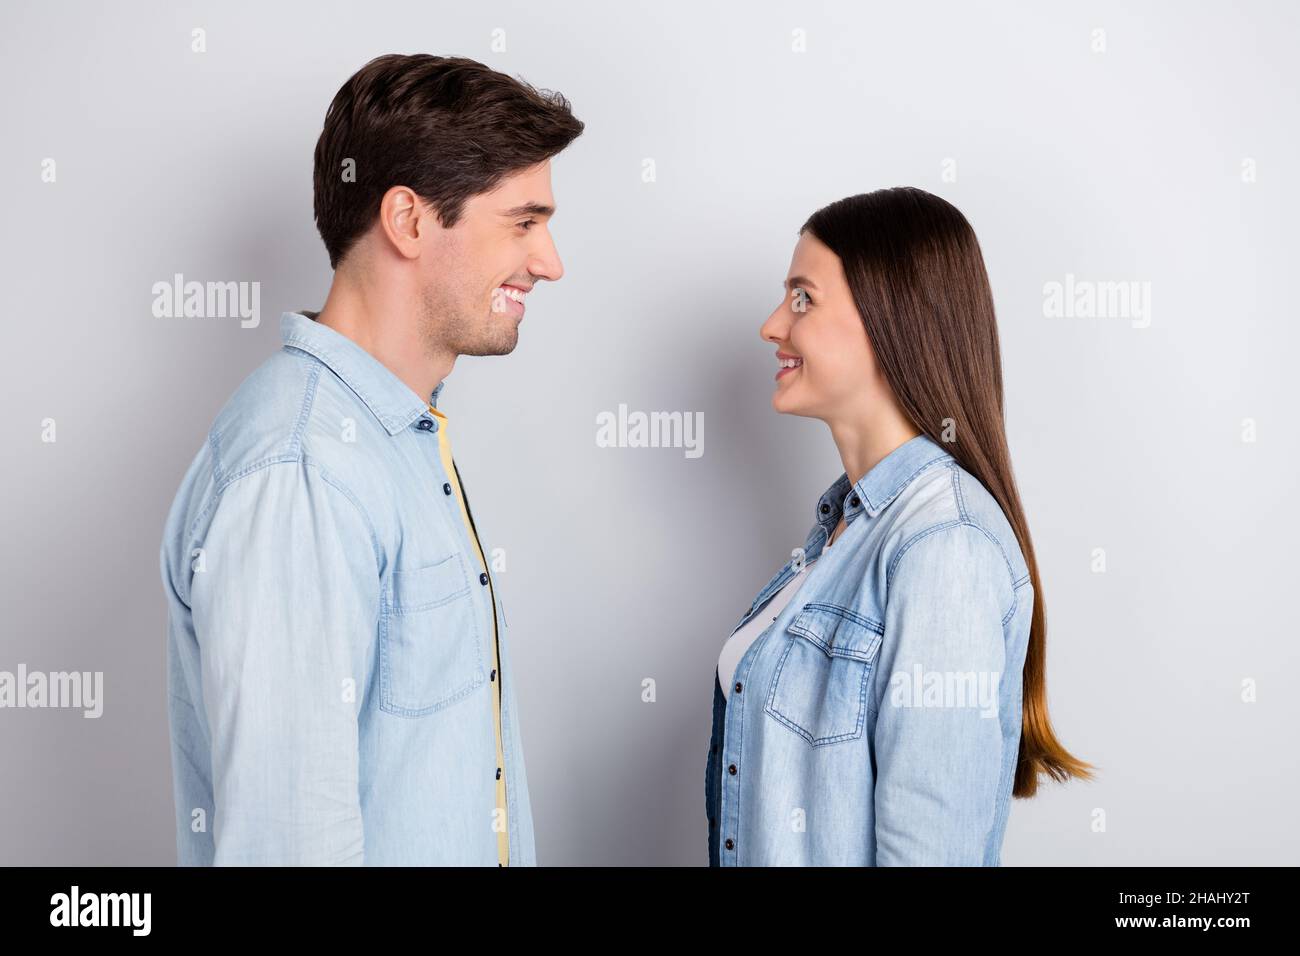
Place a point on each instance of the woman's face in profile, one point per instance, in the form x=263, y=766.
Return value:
x=834, y=374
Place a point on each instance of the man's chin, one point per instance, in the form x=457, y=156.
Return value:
x=498, y=345
x=506, y=346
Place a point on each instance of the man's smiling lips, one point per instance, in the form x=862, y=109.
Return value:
x=509, y=298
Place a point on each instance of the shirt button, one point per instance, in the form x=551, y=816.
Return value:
x=446, y=488
x=425, y=424
x=732, y=770
x=738, y=684
x=498, y=773
x=493, y=675
x=730, y=844
x=826, y=509
x=482, y=577
x=854, y=501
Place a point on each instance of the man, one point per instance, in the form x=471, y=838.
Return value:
x=339, y=683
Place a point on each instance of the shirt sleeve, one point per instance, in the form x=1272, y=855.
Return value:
x=285, y=602
x=937, y=738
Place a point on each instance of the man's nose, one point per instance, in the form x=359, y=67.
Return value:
x=546, y=263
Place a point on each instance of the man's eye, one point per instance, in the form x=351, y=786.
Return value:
x=526, y=223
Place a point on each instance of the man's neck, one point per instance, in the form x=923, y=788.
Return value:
x=389, y=333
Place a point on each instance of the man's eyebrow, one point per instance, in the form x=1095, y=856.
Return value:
x=800, y=281
x=529, y=209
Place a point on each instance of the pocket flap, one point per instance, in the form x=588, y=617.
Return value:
x=416, y=589
x=838, y=631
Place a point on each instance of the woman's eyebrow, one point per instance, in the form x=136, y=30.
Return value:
x=800, y=281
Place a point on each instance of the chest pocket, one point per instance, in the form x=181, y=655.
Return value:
x=430, y=646
x=819, y=690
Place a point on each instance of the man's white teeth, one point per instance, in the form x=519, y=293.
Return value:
x=791, y=363
x=516, y=294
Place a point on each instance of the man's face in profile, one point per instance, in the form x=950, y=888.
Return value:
x=479, y=271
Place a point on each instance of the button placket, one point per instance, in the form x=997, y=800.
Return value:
x=464, y=526
x=729, y=817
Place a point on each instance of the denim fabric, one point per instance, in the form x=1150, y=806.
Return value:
x=876, y=721
x=329, y=631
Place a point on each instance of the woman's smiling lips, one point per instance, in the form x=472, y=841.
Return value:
x=789, y=363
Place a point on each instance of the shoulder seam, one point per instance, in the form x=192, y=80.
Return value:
x=347, y=493
x=304, y=413
x=306, y=461
x=221, y=478
x=956, y=488
x=961, y=507
x=963, y=521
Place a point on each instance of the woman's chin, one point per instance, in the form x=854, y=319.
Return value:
x=781, y=403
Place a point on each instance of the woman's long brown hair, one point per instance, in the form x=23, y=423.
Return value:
x=919, y=282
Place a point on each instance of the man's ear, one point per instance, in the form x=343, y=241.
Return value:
x=402, y=218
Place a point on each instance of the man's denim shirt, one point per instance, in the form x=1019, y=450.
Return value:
x=329, y=640
x=877, y=720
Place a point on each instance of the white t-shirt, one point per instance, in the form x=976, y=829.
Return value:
x=737, y=644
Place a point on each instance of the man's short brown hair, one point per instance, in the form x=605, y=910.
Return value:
x=448, y=127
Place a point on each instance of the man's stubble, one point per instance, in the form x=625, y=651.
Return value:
x=454, y=320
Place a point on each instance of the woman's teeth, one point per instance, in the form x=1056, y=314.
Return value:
x=791, y=363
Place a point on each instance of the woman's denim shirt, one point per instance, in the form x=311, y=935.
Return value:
x=877, y=720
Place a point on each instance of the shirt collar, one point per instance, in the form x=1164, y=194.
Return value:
x=389, y=398
x=873, y=492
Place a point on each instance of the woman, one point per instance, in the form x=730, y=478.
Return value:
x=883, y=697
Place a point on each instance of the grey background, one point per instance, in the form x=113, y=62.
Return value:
x=625, y=564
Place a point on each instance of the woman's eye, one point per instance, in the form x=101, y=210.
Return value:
x=799, y=299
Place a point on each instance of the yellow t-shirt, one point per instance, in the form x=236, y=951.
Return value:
x=444, y=447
